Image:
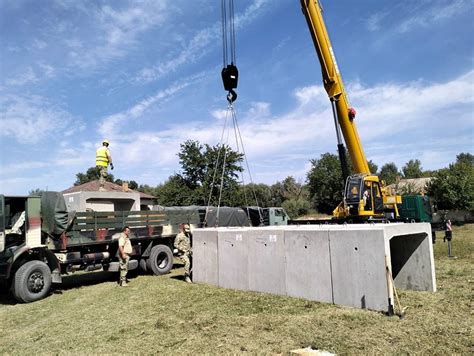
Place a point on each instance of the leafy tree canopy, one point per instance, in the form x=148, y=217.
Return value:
x=91, y=175
x=204, y=167
x=389, y=173
x=453, y=187
x=324, y=183
x=412, y=169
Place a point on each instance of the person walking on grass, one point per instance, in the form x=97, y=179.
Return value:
x=448, y=235
x=182, y=243
x=125, y=249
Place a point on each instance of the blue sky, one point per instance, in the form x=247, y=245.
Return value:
x=146, y=75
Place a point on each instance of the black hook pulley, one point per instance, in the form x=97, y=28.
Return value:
x=230, y=77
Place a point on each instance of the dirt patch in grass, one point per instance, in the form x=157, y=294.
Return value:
x=168, y=316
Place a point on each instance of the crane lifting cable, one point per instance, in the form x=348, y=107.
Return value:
x=230, y=73
x=220, y=165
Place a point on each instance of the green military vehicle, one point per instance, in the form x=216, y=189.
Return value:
x=40, y=241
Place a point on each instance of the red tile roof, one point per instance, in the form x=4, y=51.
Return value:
x=94, y=186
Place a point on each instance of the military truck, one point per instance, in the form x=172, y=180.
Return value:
x=40, y=241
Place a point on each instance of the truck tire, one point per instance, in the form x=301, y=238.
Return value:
x=160, y=260
x=32, y=282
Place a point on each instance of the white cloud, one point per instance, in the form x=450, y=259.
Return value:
x=421, y=14
x=27, y=77
x=39, y=44
x=111, y=125
x=30, y=119
x=111, y=32
x=199, y=45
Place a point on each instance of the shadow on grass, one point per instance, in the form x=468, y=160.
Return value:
x=83, y=279
x=6, y=298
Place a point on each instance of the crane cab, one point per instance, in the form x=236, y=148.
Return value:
x=364, y=198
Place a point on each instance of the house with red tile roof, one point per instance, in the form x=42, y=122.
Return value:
x=114, y=197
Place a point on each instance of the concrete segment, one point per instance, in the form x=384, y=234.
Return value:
x=233, y=258
x=359, y=276
x=343, y=264
x=308, y=267
x=411, y=254
x=205, y=253
x=266, y=251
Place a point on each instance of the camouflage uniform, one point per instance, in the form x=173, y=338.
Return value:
x=183, y=243
x=123, y=262
x=102, y=175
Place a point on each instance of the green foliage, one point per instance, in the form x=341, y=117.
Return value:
x=145, y=188
x=255, y=194
x=296, y=207
x=453, y=187
x=133, y=185
x=389, y=173
x=36, y=192
x=373, y=167
x=175, y=192
x=203, y=167
x=412, y=169
x=325, y=183
x=91, y=175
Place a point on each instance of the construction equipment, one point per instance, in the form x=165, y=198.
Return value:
x=365, y=195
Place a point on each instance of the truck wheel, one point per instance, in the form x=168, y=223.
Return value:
x=160, y=260
x=32, y=282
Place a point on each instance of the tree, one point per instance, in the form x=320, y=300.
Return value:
x=255, y=194
x=91, y=175
x=296, y=207
x=412, y=169
x=325, y=184
x=145, y=188
x=373, y=167
x=389, y=173
x=453, y=187
x=174, y=192
x=133, y=185
x=204, y=167
x=36, y=191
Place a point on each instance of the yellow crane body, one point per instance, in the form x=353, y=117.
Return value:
x=365, y=196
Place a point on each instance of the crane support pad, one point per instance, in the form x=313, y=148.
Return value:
x=341, y=264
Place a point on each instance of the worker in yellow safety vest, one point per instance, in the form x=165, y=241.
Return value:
x=102, y=159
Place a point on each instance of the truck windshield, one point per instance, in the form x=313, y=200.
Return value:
x=353, y=188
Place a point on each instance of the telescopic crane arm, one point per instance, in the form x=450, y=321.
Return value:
x=365, y=196
x=334, y=85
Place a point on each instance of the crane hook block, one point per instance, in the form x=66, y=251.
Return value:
x=230, y=76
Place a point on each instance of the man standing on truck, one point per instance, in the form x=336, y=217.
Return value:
x=182, y=242
x=102, y=159
x=125, y=249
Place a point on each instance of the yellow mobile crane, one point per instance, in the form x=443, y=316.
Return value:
x=365, y=195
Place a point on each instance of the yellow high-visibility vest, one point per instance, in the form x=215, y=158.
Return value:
x=101, y=158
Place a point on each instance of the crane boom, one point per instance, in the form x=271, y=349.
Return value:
x=334, y=85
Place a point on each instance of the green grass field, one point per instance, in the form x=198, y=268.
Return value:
x=166, y=315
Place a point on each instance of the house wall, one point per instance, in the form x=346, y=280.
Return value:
x=102, y=201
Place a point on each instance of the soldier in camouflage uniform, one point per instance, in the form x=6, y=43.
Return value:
x=182, y=242
x=125, y=249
